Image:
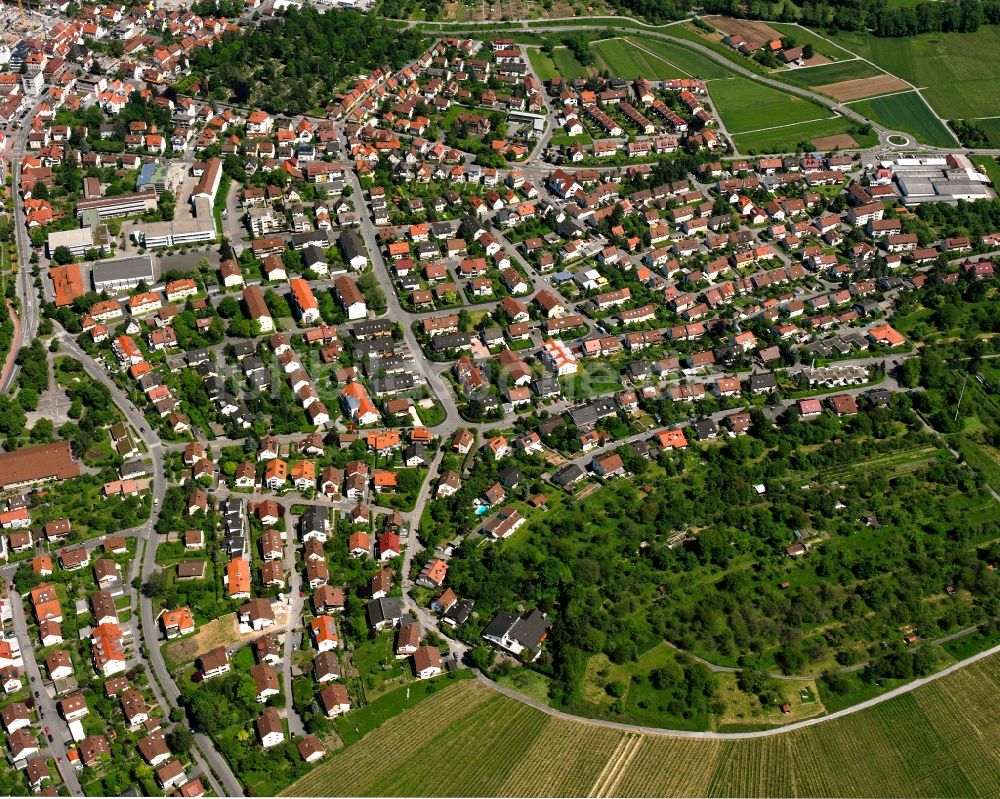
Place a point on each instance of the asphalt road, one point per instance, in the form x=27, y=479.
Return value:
x=213, y=765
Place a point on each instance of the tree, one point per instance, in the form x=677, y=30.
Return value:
x=615, y=689
x=229, y=307
x=481, y=657
x=246, y=690
x=180, y=739
x=42, y=431
x=62, y=255
x=167, y=205
x=155, y=586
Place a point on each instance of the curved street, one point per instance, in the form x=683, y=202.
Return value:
x=736, y=736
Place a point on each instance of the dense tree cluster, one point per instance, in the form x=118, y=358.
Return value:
x=300, y=61
x=876, y=16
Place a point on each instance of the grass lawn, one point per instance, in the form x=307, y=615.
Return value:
x=991, y=127
x=542, y=64
x=566, y=141
x=906, y=112
x=528, y=682
x=829, y=73
x=990, y=166
x=623, y=59
x=567, y=64
x=745, y=105
x=959, y=70
x=694, y=63
x=243, y=659
x=643, y=702
x=782, y=140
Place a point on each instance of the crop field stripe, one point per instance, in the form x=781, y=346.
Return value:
x=564, y=760
x=362, y=764
x=939, y=740
x=672, y=767
x=472, y=745
x=972, y=750
x=836, y=72
x=612, y=773
x=753, y=768
x=621, y=769
x=926, y=755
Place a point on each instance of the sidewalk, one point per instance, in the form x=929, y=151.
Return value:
x=9, y=362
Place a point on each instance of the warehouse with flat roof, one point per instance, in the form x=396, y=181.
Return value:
x=122, y=274
x=77, y=241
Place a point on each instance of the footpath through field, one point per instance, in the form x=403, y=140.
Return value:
x=732, y=736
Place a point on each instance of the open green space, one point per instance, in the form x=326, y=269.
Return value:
x=692, y=62
x=469, y=740
x=822, y=45
x=906, y=112
x=623, y=59
x=745, y=105
x=957, y=72
x=990, y=166
x=791, y=138
x=567, y=64
x=542, y=63
x=991, y=127
x=852, y=69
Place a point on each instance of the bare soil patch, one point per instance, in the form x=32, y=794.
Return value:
x=842, y=140
x=863, y=87
x=818, y=59
x=223, y=631
x=750, y=30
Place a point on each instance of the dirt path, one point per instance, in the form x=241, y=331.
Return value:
x=730, y=736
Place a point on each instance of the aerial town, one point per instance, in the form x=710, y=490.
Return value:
x=471, y=382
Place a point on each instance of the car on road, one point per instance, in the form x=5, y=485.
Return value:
x=48, y=732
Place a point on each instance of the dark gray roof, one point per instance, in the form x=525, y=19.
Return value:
x=568, y=474
x=352, y=246
x=529, y=630
x=387, y=608
x=500, y=624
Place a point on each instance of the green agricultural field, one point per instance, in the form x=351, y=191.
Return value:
x=958, y=73
x=991, y=127
x=906, y=112
x=623, y=59
x=783, y=140
x=567, y=65
x=694, y=63
x=746, y=106
x=543, y=65
x=852, y=69
x=468, y=740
